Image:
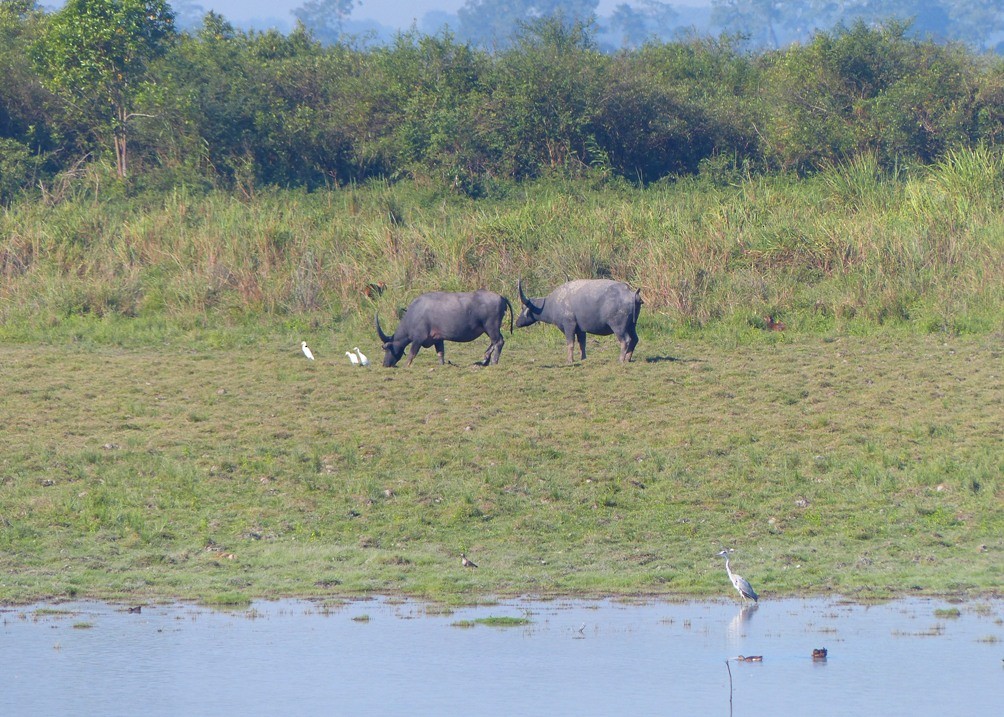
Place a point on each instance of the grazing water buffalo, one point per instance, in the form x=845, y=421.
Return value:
x=440, y=316
x=587, y=306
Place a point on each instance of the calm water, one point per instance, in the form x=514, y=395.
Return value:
x=381, y=657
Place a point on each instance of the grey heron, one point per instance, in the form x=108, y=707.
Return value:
x=738, y=581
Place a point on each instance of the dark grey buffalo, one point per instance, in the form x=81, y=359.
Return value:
x=442, y=316
x=587, y=306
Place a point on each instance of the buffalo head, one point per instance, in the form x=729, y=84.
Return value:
x=530, y=313
x=392, y=350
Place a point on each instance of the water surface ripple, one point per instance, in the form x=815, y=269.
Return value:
x=391, y=657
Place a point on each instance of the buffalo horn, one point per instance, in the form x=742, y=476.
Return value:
x=522, y=296
x=383, y=337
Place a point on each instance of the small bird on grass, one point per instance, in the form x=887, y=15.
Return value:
x=466, y=562
x=352, y=358
x=738, y=581
x=363, y=361
x=306, y=350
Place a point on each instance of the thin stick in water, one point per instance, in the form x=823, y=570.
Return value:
x=730, y=686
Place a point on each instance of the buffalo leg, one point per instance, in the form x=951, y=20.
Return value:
x=570, y=340
x=581, y=336
x=632, y=341
x=440, y=351
x=412, y=353
x=494, y=351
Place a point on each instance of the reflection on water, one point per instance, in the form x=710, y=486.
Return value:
x=388, y=657
x=743, y=615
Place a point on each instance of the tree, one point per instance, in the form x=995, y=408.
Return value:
x=24, y=124
x=630, y=23
x=977, y=21
x=495, y=22
x=94, y=55
x=187, y=14
x=545, y=91
x=325, y=17
x=760, y=19
x=20, y=95
x=637, y=25
x=974, y=22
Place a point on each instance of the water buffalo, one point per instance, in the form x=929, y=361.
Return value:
x=587, y=306
x=440, y=316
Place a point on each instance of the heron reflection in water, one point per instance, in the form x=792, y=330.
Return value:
x=737, y=626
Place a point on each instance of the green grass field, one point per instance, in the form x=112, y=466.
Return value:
x=163, y=436
x=870, y=466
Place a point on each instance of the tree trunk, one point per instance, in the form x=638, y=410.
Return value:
x=119, y=130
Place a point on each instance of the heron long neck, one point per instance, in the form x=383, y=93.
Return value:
x=727, y=568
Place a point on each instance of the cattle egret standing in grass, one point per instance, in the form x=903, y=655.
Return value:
x=363, y=361
x=741, y=584
x=306, y=350
x=353, y=358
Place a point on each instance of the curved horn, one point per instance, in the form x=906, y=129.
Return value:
x=383, y=337
x=522, y=296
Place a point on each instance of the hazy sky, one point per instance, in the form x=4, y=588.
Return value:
x=395, y=13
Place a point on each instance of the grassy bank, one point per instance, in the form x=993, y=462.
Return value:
x=865, y=465
x=164, y=436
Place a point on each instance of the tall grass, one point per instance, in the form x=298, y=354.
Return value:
x=851, y=247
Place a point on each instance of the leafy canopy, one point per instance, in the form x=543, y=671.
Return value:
x=94, y=54
x=98, y=49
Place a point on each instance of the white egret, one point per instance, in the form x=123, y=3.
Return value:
x=306, y=350
x=353, y=358
x=738, y=581
x=363, y=361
